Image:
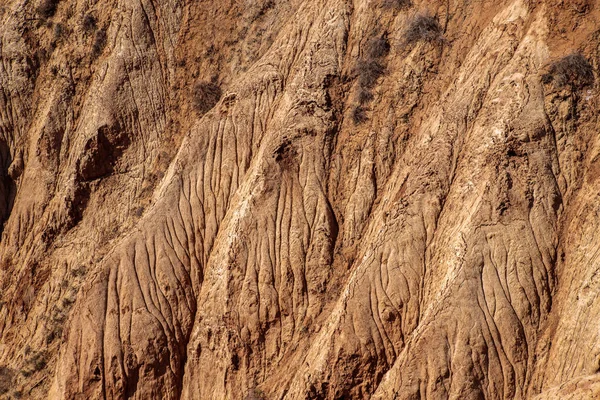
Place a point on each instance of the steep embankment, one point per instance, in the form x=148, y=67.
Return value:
x=305, y=199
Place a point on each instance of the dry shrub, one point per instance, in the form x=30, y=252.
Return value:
x=573, y=70
x=368, y=70
x=47, y=8
x=359, y=115
x=423, y=27
x=396, y=4
x=368, y=73
x=378, y=48
x=206, y=95
x=89, y=23
x=99, y=43
x=36, y=362
x=257, y=8
x=6, y=378
x=59, y=31
x=364, y=96
x=255, y=394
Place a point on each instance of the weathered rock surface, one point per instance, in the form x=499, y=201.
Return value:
x=306, y=199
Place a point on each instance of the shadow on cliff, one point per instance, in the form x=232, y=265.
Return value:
x=7, y=185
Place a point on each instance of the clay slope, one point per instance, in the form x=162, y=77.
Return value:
x=308, y=199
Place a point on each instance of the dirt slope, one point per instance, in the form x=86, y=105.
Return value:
x=305, y=199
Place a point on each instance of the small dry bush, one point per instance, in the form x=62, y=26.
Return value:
x=573, y=70
x=359, y=115
x=89, y=23
x=368, y=70
x=47, y=8
x=257, y=8
x=396, y=4
x=99, y=42
x=423, y=27
x=36, y=362
x=255, y=394
x=6, y=378
x=365, y=96
x=378, y=48
x=368, y=73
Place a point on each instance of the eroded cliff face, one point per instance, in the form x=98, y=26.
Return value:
x=318, y=199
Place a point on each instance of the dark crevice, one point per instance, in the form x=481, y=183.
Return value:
x=7, y=185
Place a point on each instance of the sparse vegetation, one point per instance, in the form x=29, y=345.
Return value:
x=35, y=363
x=259, y=8
x=40, y=57
x=60, y=312
x=47, y=8
x=365, y=96
x=573, y=70
x=205, y=96
x=369, y=69
x=396, y=4
x=368, y=72
x=359, y=115
x=79, y=271
x=580, y=7
x=99, y=42
x=138, y=211
x=255, y=394
x=54, y=334
x=423, y=28
x=59, y=31
x=89, y=23
x=6, y=377
x=378, y=48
